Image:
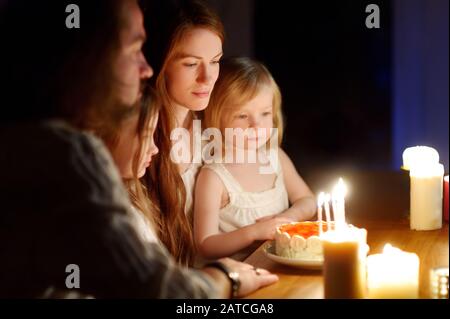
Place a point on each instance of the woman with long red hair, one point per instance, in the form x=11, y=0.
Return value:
x=184, y=47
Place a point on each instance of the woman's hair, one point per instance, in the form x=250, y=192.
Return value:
x=147, y=109
x=53, y=71
x=166, y=24
x=240, y=80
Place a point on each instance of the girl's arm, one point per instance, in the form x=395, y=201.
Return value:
x=210, y=242
x=303, y=203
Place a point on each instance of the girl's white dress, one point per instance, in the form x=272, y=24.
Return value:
x=244, y=208
x=143, y=226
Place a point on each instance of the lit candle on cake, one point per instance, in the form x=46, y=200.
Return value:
x=394, y=274
x=338, y=196
x=319, y=211
x=326, y=203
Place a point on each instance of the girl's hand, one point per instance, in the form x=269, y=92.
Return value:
x=265, y=230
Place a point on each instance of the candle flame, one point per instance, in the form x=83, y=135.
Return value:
x=340, y=190
x=389, y=249
x=419, y=156
x=321, y=199
x=338, y=195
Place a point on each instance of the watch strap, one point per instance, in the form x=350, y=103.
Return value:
x=232, y=276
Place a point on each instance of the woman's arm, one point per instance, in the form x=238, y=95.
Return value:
x=303, y=203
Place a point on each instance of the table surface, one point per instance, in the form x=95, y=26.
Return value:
x=382, y=208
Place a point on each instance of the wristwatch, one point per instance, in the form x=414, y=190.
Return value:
x=233, y=276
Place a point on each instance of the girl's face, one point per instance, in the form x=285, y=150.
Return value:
x=193, y=71
x=128, y=146
x=255, y=118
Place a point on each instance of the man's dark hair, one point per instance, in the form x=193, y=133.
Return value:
x=49, y=70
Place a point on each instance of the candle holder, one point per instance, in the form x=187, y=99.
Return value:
x=439, y=283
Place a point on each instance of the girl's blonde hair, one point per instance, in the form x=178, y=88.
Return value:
x=240, y=80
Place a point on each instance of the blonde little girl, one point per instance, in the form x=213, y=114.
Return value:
x=235, y=204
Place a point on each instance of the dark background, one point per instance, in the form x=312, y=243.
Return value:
x=354, y=98
x=335, y=77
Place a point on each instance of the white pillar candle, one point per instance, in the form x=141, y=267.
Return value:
x=344, y=267
x=426, y=196
x=394, y=274
x=421, y=155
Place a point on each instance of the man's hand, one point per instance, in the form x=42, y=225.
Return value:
x=251, y=278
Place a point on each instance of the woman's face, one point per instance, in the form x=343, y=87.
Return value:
x=128, y=146
x=193, y=71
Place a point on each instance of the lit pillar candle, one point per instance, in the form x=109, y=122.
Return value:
x=344, y=267
x=426, y=196
x=394, y=274
x=419, y=155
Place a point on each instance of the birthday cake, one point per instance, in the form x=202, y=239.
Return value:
x=300, y=240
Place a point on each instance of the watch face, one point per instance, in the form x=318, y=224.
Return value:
x=236, y=283
x=234, y=275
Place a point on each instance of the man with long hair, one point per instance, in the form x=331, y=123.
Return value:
x=63, y=205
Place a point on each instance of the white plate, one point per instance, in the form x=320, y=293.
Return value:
x=269, y=251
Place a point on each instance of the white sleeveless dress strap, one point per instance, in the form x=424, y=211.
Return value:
x=231, y=184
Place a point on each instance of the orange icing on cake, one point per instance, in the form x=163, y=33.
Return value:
x=304, y=229
x=300, y=240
